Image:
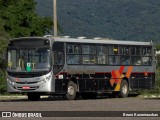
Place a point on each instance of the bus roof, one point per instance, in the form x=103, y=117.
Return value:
x=94, y=41
x=101, y=41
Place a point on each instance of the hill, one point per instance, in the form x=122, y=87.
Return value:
x=115, y=19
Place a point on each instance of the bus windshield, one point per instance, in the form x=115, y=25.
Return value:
x=28, y=60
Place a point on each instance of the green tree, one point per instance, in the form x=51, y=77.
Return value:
x=157, y=81
x=3, y=46
x=20, y=18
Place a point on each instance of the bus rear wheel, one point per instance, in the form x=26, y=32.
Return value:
x=71, y=91
x=33, y=96
x=124, y=89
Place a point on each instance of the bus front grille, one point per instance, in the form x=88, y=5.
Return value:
x=26, y=82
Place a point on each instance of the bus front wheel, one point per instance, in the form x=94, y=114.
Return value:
x=33, y=96
x=124, y=89
x=71, y=91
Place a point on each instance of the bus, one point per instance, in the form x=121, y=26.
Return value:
x=73, y=66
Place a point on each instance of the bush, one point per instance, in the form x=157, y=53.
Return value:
x=3, y=84
x=157, y=81
x=156, y=89
x=3, y=63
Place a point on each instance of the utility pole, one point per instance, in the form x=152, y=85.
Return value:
x=55, y=17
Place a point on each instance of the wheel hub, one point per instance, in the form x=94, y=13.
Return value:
x=124, y=89
x=70, y=90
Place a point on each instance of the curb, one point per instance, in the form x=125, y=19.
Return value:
x=24, y=96
x=149, y=96
x=13, y=96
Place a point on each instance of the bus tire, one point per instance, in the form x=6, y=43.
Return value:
x=33, y=96
x=124, y=89
x=71, y=91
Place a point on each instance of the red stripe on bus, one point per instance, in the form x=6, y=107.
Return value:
x=110, y=73
x=121, y=69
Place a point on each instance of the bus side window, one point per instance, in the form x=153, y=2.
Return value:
x=146, y=60
x=73, y=53
x=69, y=49
x=58, y=54
x=102, y=54
x=73, y=59
x=88, y=54
x=113, y=55
x=146, y=56
x=58, y=58
x=133, y=50
x=146, y=51
x=125, y=60
x=77, y=49
x=113, y=60
x=138, y=51
x=136, y=55
x=73, y=48
x=127, y=52
x=136, y=60
x=124, y=50
x=110, y=50
x=124, y=55
x=115, y=49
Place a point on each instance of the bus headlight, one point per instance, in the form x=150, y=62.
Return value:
x=48, y=78
x=11, y=82
x=45, y=80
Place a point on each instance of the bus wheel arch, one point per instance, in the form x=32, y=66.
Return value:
x=124, y=88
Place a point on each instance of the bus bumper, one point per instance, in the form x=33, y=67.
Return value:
x=24, y=85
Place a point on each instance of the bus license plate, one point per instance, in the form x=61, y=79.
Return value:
x=26, y=87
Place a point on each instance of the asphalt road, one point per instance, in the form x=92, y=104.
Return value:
x=112, y=105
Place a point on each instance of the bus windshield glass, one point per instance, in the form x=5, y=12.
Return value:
x=28, y=60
